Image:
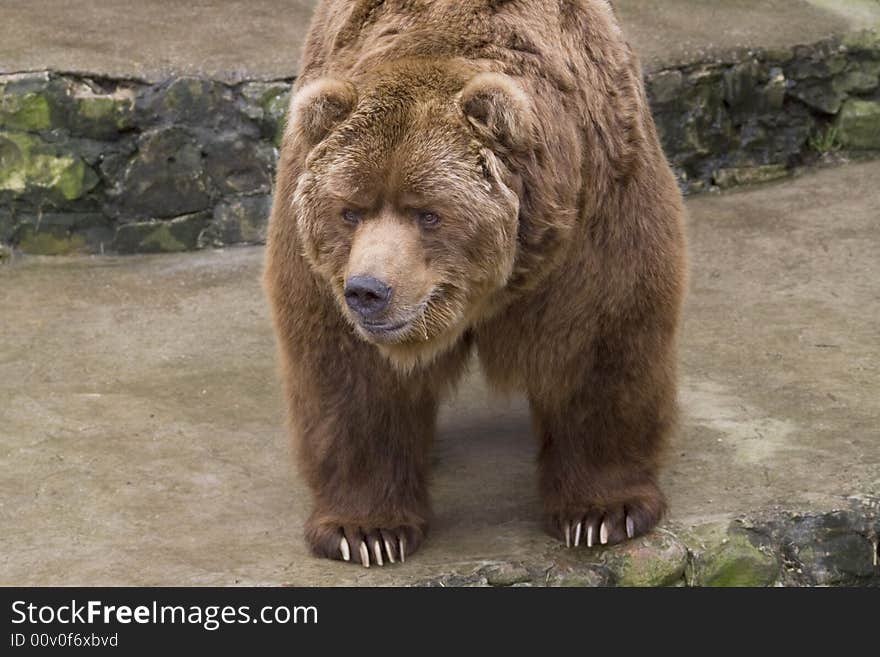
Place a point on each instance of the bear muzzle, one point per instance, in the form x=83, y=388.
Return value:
x=367, y=296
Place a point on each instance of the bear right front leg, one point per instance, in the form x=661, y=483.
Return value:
x=362, y=434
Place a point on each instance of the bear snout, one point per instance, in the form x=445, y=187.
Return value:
x=367, y=296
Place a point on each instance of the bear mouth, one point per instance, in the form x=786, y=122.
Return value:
x=391, y=331
x=384, y=328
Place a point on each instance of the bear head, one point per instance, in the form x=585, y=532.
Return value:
x=405, y=206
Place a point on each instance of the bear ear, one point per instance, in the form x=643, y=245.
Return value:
x=499, y=109
x=319, y=107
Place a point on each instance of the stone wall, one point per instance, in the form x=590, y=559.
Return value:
x=101, y=165
x=760, y=115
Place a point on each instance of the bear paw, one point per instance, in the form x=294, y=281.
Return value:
x=367, y=545
x=608, y=525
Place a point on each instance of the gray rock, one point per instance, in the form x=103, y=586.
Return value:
x=830, y=549
x=856, y=80
x=241, y=220
x=194, y=102
x=665, y=86
x=267, y=102
x=741, y=82
x=238, y=165
x=167, y=176
x=819, y=94
x=816, y=63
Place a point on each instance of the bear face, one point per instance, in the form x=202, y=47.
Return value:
x=405, y=208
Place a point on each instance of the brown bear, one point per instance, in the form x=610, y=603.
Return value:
x=461, y=175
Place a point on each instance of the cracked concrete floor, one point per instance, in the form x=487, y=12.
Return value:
x=141, y=430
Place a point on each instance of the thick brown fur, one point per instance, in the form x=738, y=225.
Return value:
x=559, y=255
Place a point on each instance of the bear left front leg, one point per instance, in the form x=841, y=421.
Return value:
x=601, y=441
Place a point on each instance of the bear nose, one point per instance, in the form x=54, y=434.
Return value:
x=367, y=296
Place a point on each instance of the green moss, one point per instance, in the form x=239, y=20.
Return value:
x=147, y=237
x=274, y=104
x=27, y=164
x=98, y=108
x=780, y=55
x=726, y=556
x=859, y=124
x=181, y=234
x=46, y=243
x=105, y=110
x=162, y=240
x=864, y=41
x=29, y=112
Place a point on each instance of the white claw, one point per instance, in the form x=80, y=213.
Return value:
x=577, y=534
x=365, y=555
x=568, y=534
x=402, y=541
x=389, y=551
x=630, y=527
x=345, y=549
x=590, y=535
x=603, y=533
x=377, y=552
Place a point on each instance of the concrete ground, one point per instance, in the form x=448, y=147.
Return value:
x=141, y=429
x=261, y=39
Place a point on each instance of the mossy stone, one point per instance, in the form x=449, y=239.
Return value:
x=820, y=95
x=666, y=86
x=507, y=574
x=196, y=102
x=656, y=560
x=102, y=117
x=864, y=41
x=858, y=126
x=856, y=80
x=46, y=242
x=577, y=577
x=734, y=176
x=29, y=111
x=29, y=165
x=180, y=234
x=275, y=107
x=167, y=177
x=242, y=220
x=728, y=556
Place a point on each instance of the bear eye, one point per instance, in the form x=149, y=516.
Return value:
x=428, y=219
x=352, y=216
